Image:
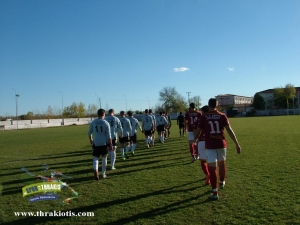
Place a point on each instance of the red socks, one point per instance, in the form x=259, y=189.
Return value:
x=193, y=149
x=213, y=176
x=204, y=167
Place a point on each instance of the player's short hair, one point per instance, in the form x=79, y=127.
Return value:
x=212, y=102
x=146, y=111
x=129, y=113
x=111, y=111
x=205, y=109
x=192, y=105
x=160, y=113
x=122, y=113
x=101, y=112
x=150, y=110
x=180, y=113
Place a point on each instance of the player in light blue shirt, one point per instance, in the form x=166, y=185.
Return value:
x=154, y=125
x=116, y=130
x=100, y=138
x=161, y=124
x=125, y=140
x=147, y=127
x=134, y=124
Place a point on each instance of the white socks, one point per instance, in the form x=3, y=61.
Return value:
x=104, y=164
x=127, y=149
x=133, y=146
x=95, y=163
x=122, y=152
x=112, y=158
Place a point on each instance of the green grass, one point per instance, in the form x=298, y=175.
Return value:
x=158, y=185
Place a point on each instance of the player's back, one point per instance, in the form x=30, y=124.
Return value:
x=192, y=117
x=213, y=123
x=180, y=119
x=134, y=124
x=101, y=131
x=147, y=121
x=161, y=120
x=126, y=126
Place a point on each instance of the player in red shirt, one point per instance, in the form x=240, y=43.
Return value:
x=200, y=140
x=213, y=124
x=191, y=117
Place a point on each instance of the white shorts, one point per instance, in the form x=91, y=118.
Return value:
x=214, y=155
x=201, y=150
x=191, y=136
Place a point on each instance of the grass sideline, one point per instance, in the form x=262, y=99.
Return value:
x=158, y=185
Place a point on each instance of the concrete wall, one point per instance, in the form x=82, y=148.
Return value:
x=28, y=124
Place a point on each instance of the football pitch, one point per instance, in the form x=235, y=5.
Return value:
x=159, y=185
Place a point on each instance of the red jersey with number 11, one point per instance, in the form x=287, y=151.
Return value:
x=213, y=123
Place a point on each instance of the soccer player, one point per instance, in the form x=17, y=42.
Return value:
x=115, y=128
x=154, y=126
x=200, y=140
x=180, y=123
x=125, y=140
x=213, y=124
x=147, y=127
x=99, y=135
x=161, y=123
x=134, y=125
x=169, y=124
x=191, y=117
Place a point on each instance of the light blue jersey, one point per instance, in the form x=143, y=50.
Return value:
x=134, y=124
x=100, y=130
x=153, y=117
x=115, y=125
x=147, y=122
x=161, y=120
x=126, y=126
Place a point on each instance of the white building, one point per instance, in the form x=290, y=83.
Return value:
x=241, y=103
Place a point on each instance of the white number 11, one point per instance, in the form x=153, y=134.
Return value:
x=212, y=129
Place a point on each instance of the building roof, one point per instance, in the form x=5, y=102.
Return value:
x=271, y=90
x=232, y=95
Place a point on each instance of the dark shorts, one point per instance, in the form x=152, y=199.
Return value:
x=160, y=128
x=133, y=138
x=114, y=142
x=100, y=150
x=148, y=132
x=124, y=139
x=181, y=126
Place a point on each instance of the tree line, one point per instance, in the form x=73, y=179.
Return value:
x=170, y=100
x=283, y=98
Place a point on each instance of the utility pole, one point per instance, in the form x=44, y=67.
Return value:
x=62, y=108
x=188, y=96
x=16, y=95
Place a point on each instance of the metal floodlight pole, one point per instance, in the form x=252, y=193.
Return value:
x=16, y=96
x=188, y=96
x=62, y=107
x=98, y=100
x=126, y=102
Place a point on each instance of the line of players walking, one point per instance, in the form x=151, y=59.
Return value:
x=205, y=131
x=104, y=131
